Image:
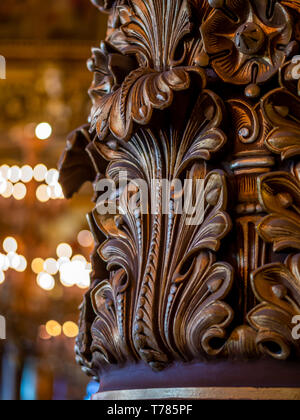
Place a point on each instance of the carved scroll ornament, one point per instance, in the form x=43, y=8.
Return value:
x=193, y=90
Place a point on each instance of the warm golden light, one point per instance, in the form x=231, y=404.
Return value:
x=3, y=185
x=70, y=329
x=51, y=266
x=5, y=171
x=15, y=174
x=52, y=177
x=10, y=245
x=45, y=281
x=5, y=263
x=9, y=190
x=85, y=280
x=53, y=328
x=79, y=258
x=68, y=273
x=85, y=238
x=2, y=261
x=57, y=191
x=26, y=174
x=43, y=131
x=43, y=333
x=19, y=191
x=2, y=277
x=22, y=264
x=42, y=193
x=62, y=260
x=14, y=260
x=37, y=265
x=64, y=251
x=40, y=172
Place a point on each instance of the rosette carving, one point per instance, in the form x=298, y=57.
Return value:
x=246, y=39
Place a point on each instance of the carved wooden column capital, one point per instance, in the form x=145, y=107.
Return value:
x=205, y=91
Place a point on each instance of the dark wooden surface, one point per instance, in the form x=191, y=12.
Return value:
x=197, y=89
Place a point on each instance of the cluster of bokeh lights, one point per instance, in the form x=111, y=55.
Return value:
x=73, y=270
x=13, y=182
x=54, y=329
x=11, y=260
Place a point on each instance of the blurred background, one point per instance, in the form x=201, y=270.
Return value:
x=44, y=241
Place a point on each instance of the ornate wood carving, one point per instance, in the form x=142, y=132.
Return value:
x=193, y=90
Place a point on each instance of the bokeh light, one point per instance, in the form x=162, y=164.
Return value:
x=46, y=281
x=70, y=329
x=43, y=333
x=10, y=245
x=53, y=328
x=15, y=174
x=40, y=172
x=79, y=258
x=42, y=193
x=43, y=131
x=37, y=265
x=3, y=185
x=19, y=191
x=5, y=171
x=64, y=251
x=14, y=260
x=26, y=174
x=52, y=177
x=2, y=277
x=22, y=266
x=51, y=266
x=36, y=120
x=85, y=239
x=9, y=190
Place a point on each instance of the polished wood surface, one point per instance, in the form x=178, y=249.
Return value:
x=201, y=90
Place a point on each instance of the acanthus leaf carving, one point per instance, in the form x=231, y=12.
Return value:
x=168, y=104
x=152, y=85
x=279, y=194
x=152, y=271
x=277, y=287
x=281, y=109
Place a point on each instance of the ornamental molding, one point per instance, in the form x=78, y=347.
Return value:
x=200, y=90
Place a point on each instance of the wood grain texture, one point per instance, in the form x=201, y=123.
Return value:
x=199, y=90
